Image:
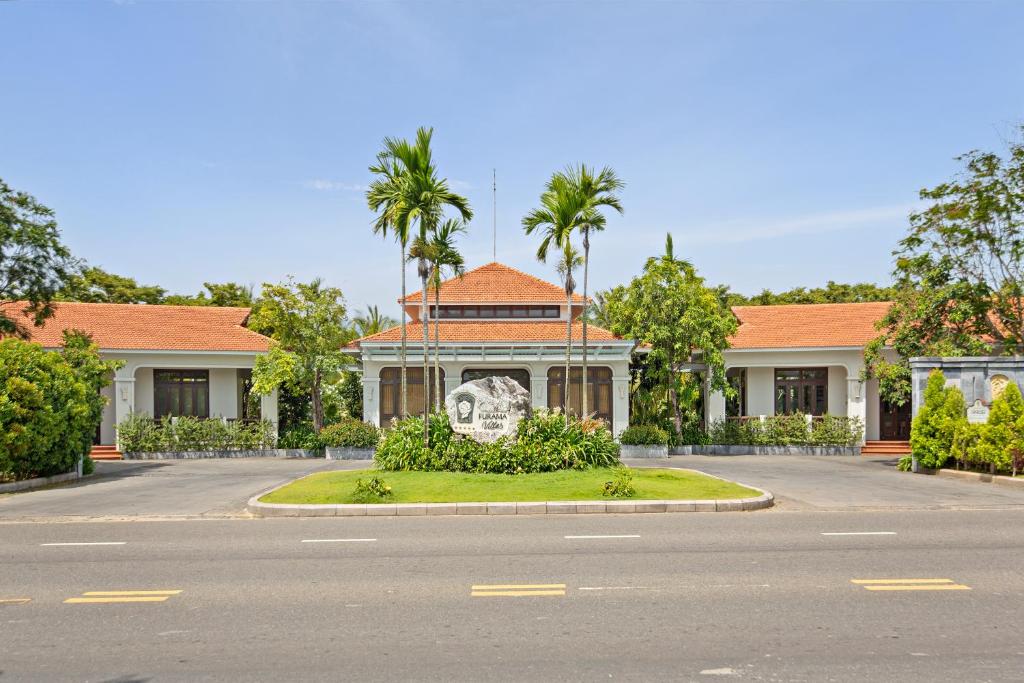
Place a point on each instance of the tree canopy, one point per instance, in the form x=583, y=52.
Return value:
x=34, y=263
x=670, y=309
x=959, y=272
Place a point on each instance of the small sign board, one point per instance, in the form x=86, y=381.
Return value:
x=978, y=413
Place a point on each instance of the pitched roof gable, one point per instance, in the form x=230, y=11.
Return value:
x=144, y=327
x=495, y=283
x=492, y=331
x=807, y=325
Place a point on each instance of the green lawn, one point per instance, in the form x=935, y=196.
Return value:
x=454, y=487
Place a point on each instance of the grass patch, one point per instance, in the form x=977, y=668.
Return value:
x=458, y=487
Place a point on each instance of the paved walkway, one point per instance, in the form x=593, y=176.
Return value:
x=842, y=483
x=167, y=488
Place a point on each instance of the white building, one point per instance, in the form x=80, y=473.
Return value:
x=809, y=359
x=177, y=360
x=496, y=320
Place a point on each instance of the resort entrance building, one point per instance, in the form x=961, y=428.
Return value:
x=496, y=320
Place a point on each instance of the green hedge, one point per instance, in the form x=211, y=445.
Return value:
x=142, y=434
x=350, y=433
x=644, y=435
x=786, y=430
x=543, y=443
x=50, y=405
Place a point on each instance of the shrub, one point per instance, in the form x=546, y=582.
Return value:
x=905, y=463
x=300, y=436
x=142, y=434
x=644, y=435
x=542, y=443
x=350, y=433
x=621, y=486
x=787, y=430
x=935, y=425
x=372, y=490
x=88, y=466
x=1001, y=439
x=50, y=406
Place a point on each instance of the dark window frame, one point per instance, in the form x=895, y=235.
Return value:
x=173, y=390
x=391, y=376
x=801, y=390
x=599, y=381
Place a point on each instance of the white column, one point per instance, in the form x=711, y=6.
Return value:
x=714, y=405
x=124, y=396
x=268, y=408
x=620, y=403
x=452, y=380
x=539, y=390
x=371, y=397
x=856, y=396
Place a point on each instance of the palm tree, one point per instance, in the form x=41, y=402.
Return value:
x=596, y=190
x=424, y=197
x=440, y=252
x=561, y=210
x=569, y=262
x=372, y=322
x=384, y=196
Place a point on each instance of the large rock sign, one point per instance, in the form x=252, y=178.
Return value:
x=487, y=409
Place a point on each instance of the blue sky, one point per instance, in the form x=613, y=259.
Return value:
x=781, y=143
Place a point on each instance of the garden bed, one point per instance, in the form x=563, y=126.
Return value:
x=764, y=450
x=202, y=455
x=327, y=488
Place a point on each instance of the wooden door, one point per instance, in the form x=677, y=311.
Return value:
x=894, y=422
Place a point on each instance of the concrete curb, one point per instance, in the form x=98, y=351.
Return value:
x=571, y=507
x=997, y=479
x=12, y=487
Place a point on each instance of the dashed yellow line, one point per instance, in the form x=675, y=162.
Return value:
x=107, y=597
x=512, y=590
x=910, y=585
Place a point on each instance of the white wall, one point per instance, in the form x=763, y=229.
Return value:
x=224, y=392
x=107, y=436
x=760, y=391
x=837, y=390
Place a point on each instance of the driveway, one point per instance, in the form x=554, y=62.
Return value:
x=844, y=483
x=162, y=488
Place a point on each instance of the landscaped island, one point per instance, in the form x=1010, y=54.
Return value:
x=456, y=487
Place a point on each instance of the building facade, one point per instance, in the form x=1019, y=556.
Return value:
x=176, y=360
x=496, y=320
x=808, y=359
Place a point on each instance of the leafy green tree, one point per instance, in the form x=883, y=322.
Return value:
x=670, y=309
x=217, y=294
x=424, y=197
x=50, y=405
x=34, y=264
x=1002, y=436
x=959, y=272
x=352, y=394
x=443, y=258
x=832, y=293
x=934, y=429
x=307, y=323
x=372, y=321
x=97, y=286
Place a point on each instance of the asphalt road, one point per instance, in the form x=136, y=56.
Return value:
x=701, y=597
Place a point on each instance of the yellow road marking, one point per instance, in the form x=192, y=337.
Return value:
x=99, y=593
x=513, y=594
x=15, y=601
x=892, y=581
x=921, y=587
x=512, y=586
x=137, y=598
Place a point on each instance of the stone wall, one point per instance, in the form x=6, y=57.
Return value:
x=975, y=376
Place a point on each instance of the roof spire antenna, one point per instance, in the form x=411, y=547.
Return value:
x=494, y=218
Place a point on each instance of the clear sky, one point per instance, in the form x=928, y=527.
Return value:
x=781, y=143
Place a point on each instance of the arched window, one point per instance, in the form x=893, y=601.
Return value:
x=516, y=374
x=391, y=391
x=599, y=390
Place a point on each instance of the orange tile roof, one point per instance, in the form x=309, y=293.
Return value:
x=807, y=325
x=139, y=327
x=495, y=283
x=493, y=331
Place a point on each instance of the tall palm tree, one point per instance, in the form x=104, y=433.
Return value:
x=384, y=196
x=440, y=252
x=561, y=210
x=570, y=261
x=597, y=191
x=424, y=198
x=372, y=321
